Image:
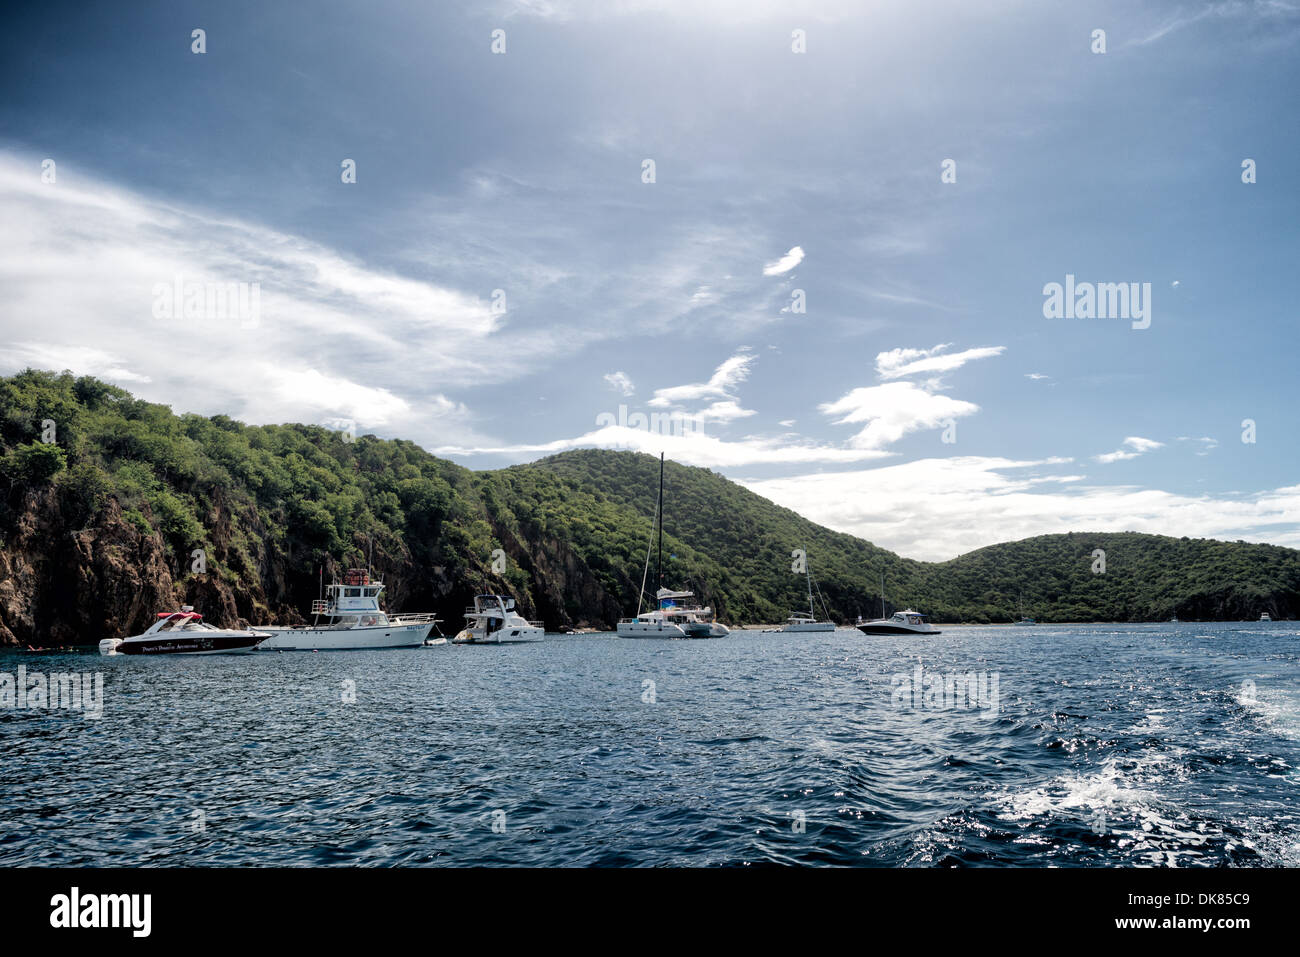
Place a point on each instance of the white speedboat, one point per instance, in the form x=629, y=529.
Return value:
x=350, y=619
x=907, y=622
x=493, y=621
x=802, y=622
x=184, y=632
x=668, y=619
x=1265, y=616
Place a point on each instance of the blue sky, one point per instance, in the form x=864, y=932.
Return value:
x=774, y=172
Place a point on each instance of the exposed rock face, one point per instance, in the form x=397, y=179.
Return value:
x=61, y=586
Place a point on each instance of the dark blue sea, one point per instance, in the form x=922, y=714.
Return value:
x=1172, y=745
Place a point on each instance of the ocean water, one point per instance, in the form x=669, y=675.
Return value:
x=1160, y=745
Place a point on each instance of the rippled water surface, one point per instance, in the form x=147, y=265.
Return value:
x=1157, y=745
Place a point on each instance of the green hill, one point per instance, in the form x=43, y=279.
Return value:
x=113, y=508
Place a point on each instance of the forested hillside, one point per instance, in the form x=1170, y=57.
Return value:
x=113, y=508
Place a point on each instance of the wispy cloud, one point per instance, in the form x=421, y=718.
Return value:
x=82, y=263
x=897, y=363
x=620, y=382
x=1133, y=446
x=725, y=378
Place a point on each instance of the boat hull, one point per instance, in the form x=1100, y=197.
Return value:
x=891, y=629
x=369, y=638
x=809, y=626
x=233, y=644
x=644, y=629
x=502, y=636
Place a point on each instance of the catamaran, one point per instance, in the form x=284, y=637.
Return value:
x=350, y=619
x=668, y=619
x=807, y=621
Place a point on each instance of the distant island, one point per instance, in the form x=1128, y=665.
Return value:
x=115, y=508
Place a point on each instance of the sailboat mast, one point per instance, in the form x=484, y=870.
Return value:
x=659, y=561
x=807, y=568
x=882, y=595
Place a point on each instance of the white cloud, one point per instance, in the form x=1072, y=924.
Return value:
x=897, y=363
x=787, y=262
x=935, y=509
x=724, y=411
x=893, y=410
x=695, y=448
x=620, y=381
x=725, y=377
x=1135, y=445
x=82, y=262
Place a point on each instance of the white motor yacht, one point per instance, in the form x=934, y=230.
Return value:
x=907, y=622
x=350, y=619
x=493, y=621
x=185, y=632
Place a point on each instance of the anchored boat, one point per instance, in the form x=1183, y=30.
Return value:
x=906, y=622
x=807, y=621
x=493, y=621
x=184, y=632
x=350, y=619
x=668, y=619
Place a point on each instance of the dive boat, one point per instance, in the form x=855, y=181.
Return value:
x=493, y=621
x=800, y=621
x=668, y=619
x=907, y=622
x=184, y=632
x=350, y=619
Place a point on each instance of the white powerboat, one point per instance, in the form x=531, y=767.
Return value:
x=350, y=619
x=184, y=632
x=493, y=621
x=803, y=622
x=1265, y=616
x=668, y=619
x=907, y=622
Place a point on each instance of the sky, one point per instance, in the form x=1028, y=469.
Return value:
x=809, y=246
